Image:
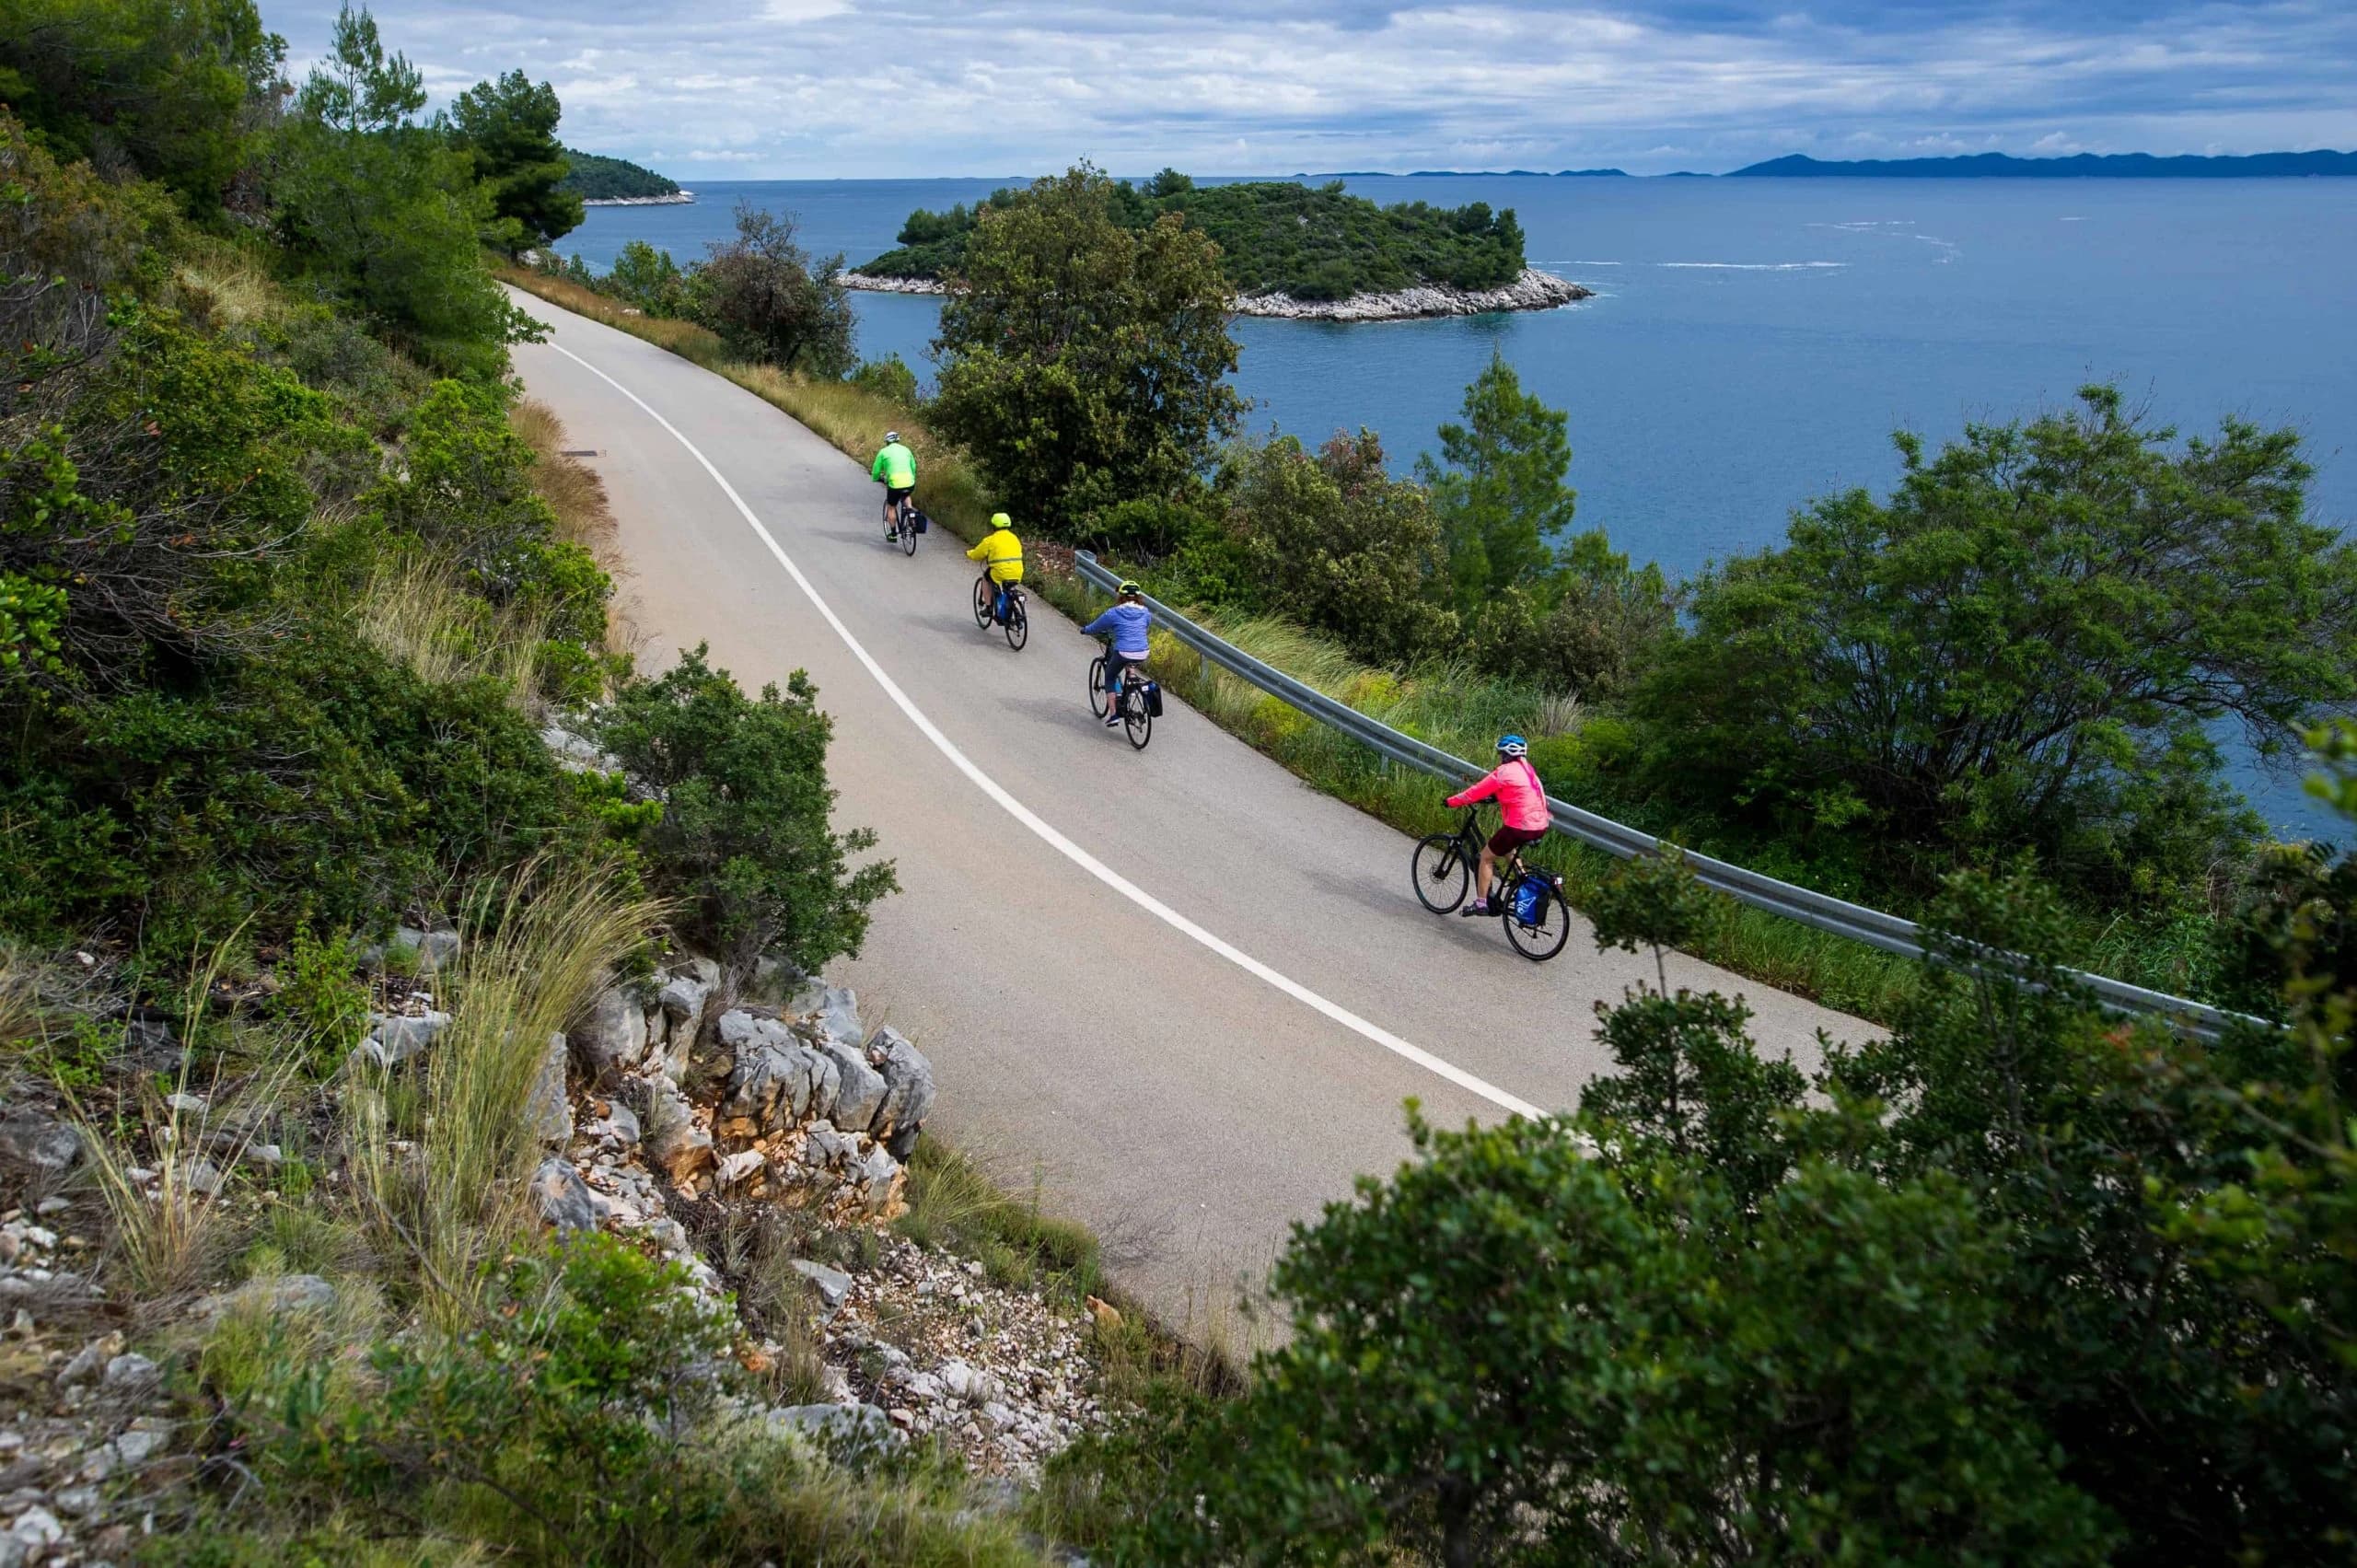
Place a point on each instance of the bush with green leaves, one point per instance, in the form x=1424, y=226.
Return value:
x=889, y=378
x=770, y=302
x=1334, y=540
x=745, y=838
x=647, y=278
x=2017, y=1283
x=465, y=490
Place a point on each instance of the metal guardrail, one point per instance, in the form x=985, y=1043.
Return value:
x=1889, y=933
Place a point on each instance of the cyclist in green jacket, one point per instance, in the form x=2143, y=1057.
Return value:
x=895, y=469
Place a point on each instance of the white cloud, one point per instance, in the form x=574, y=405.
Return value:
x=1009, y=87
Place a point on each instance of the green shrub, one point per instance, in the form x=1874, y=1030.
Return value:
x=326, y=783
x=890, y=378
x=745, y=836
x=768, y=301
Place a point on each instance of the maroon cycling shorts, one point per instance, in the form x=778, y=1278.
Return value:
x=1506, y=841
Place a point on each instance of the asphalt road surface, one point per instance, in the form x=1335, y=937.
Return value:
x=1177, y=992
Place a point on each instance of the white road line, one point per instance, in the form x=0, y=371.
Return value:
x=1056, y=841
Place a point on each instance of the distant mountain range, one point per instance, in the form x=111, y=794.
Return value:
x=1975, y=165
x=2084, y=165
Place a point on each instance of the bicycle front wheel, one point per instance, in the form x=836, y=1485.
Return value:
x=982, y=603
x=1137, y=719
x=1543, y=936
x=1096, y=685
x=1440, y=873
x=1018, y=625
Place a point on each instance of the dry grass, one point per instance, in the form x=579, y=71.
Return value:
x=536, y=949
x=167, y=1231
x=19, y=996
x=572, y=490
x=225, y=285
x=414, y=611
x=682, y=337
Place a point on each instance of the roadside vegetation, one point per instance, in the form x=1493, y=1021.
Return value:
x=2019, y=1284
x=1273, y=237
x=291, y=580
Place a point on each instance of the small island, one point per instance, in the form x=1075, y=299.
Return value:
x=602, y=182
x=1296, y=252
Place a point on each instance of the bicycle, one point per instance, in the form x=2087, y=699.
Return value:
x=1141, y=700
x=904, y=526
x=1018, y=623
x=1530, y=903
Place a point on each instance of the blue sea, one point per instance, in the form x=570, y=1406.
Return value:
x=1753, y=343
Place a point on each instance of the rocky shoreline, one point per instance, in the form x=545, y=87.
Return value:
x=1534, y=290
x=677, y=199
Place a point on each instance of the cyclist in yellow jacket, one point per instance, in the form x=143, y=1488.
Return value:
x=895, y=469
x=1002, y=554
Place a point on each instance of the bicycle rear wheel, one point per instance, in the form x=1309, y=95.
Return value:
x=1542, y=938
x=1137, y=719
x=1440, y=874
x=1096, y=685
x=982, y=603
x=1018, y=625
x=907, y=528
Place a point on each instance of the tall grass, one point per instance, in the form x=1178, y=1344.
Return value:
x=414, y=611
x=572, y=490
x=535, y=950
x=167, y=1229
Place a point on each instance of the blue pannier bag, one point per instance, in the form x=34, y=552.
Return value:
x=1153, y=698
x=923, y=522
x=1529, y=901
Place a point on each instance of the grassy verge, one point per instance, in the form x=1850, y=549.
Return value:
x=1448, y=707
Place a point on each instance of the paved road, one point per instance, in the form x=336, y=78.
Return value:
x=1177, y=990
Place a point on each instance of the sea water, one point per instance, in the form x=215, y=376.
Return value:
x=1753, y=343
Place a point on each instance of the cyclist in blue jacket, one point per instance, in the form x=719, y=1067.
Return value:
x=1126, y=622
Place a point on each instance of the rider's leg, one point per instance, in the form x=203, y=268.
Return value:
x=1482, y=874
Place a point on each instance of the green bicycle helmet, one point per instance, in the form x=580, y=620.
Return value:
x=1129, y=586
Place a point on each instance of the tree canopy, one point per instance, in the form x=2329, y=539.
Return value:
x=1085, y=360
x=177, y=91
x=507, y=127
x=2028, y=646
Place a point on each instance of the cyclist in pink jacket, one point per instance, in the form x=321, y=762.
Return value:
x=1522, y=802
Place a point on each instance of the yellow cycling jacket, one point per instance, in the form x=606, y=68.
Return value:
x=1003, y=553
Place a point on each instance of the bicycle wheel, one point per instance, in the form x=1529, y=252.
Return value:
x=982, y=603
x=1440, y=874
x=1137, y=719
x=1539, y=939
x=1018, y=625
x=907, y=528
x=1096, y=685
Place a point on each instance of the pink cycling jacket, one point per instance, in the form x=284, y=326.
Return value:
x=1522, y=801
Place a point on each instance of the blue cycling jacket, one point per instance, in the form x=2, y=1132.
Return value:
x=1128, y=623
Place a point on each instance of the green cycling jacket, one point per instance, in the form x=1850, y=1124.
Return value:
x=896, y=466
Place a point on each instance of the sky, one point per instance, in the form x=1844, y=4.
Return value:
x=904, y=88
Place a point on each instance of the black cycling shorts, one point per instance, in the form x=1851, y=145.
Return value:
x=893, y=495
x=1506, y=841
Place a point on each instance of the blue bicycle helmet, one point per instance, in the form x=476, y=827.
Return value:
x=1511, y=746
